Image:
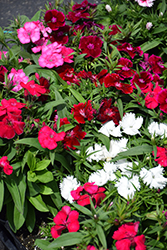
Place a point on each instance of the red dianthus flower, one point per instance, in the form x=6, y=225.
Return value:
x=91, y=45
x=65, y=219
x=126, y=237
x=161, y=156
x=54, y=19
x=32, y=88
x=4, y=164
x=83, y=111
x=48, y=138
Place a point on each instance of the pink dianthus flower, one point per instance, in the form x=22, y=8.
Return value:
x=29, y=32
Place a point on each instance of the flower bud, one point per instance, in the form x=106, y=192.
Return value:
x=108, y=8
x=149, y=25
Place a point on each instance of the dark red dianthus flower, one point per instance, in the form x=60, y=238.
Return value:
x=142, y=79
x=73, y=136
x=54, y=19
x=156, y=64
x=127, y=47
x=162, y=100
x=91, y=45
x=3, y=70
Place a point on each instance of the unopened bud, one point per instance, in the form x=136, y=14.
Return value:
x=108, y=8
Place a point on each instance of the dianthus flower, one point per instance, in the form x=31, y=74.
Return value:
x=91, y=45
x=66, y=54
x=89, y=247
x=156, y=64
x=16, y=77
x=29, y=32
x=90, y=191
x=161, y=156
x=77, y=15
x=114, y=29
x=145, y=3
x=4, y=164
x=83, y=111
x=9, y=126
x=54, y=19
x=126, y=237
x=61, y=35
x=48, y=138
x=127, y=47
x=73, y=136
x=51, y=56
x=151, y=97
x=113, y=80
x=141, y=79
x=65, y=219
x=161, y=99
x=11, y=107
x=33, y=89
x=108, y=112
x=123, y=68
x=67, y=73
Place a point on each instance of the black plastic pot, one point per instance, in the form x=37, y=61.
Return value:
x=8, y=239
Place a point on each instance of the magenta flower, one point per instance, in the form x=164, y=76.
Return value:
x=48, y=138
x=91, y=45
x=66, y=54
x=151, y=97
x=4, y=164
x=33, y=89
x=156, y=64
x=142, y=79
x=127, y=47
x=126, y=237
x=54, y=19
x=162, y=100
x=65, y=219
x=161, y=157
x=29, y=32
x=77, y=15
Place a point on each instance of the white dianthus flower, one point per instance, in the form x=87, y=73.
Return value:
x=97, y=153
x=153, y=177
x=125, y=167
x=156, y=129
x=115, y=148
x=110, y=168
x=130, y=124
x=100, y=177
x=109, y=128
x=146, y=3
x=126, y=187
x=67, y=185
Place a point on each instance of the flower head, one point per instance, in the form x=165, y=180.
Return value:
x=126, y=237
x=54, y=19
x=130, y=124
x=65, y=219
x=91, y=45
x=4, y=164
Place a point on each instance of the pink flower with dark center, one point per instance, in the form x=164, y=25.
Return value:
x=161, y=157
x=127, y=47
x=4, y=164
x=145, y=3
x=65, y=219
x=83, y=194
x=48, y=138
x=54, y=19
x=162, y=100
x=151, y=97
x=126, y=237
x=16, y=77
x=83, y=111
x=29, y=32
x=10, y=126
x=141, y=79
x=156, y=64
x=91, y=45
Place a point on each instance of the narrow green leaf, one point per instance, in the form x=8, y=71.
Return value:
x=36, y=17
x=149, y=45
x=31, y=161
x=53, y=104
x=32, y=142
x=18, y=218
x=38, y=203
x=101, y=236
x=67, y=239
x=30, y=69
x=2, y=194
x=30, y=219
x=60, y=158
x=120, y=107
x=104, y=139
x=79, y=59
x=77, y=95
x=82, y=209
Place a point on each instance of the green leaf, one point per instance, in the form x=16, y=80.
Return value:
x=31, y=176
x=104, y=139
x=15, y=193
x=51, y=105
x=77, y=95
x=120, y=107
x=78, y=59
x=42, y=165
x=42, y=244
x=82, y=209
x=1, y=34
x=36, y=17
x=60, y=158
x=163, y=6
x=30, y=219
x=149, y=45
x=31, y=69
x=38, y=203
x=44, y=176
x=101, y=236
x=32, y=142
x=18, y=218
x=31, y=161
x=159, y=29
x=2, y=194
x=67, y=239
x=45, y=190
